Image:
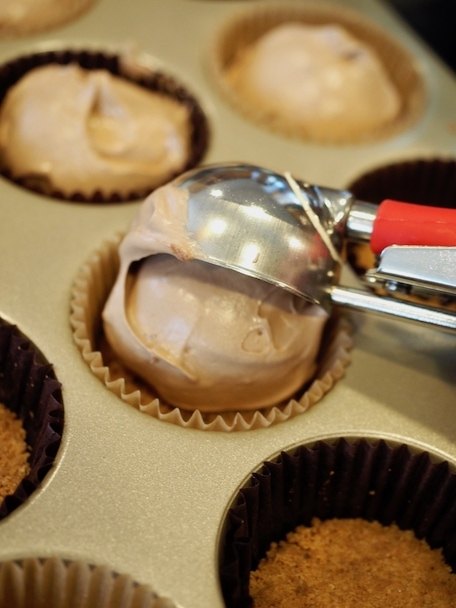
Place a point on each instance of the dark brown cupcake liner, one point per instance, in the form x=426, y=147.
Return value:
x=374, y=480
x=58, y=583
x=427, y=181
x=118, y=65
x=30, y=389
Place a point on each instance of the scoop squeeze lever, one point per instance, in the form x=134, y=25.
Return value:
x=290, y=233
x=400, y=223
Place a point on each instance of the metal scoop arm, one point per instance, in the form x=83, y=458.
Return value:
x=355, y=299
x=257, y=222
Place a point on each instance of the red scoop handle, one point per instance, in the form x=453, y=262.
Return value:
x=398, y=223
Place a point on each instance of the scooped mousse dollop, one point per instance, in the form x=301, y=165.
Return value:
x=66, y=128
x=205, y=337
x=318, y=79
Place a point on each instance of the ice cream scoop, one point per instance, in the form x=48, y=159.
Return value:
x=289, y=233
x=203, y=336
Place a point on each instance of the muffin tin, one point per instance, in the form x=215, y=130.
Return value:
x=142, y=496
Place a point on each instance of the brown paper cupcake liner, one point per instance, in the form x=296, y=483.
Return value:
x=57, y=583
x=428, y=181
x=29, y=388
x=89, y=293
x=31, y=23
x=340, y=478
x=249, y=25
x=122, y=66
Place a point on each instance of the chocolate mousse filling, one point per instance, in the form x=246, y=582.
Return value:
x=111, y=126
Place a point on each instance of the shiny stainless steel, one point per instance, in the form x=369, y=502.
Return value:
x=389, y=307
x=360, y=221
x=426, y=270
x=248, y=219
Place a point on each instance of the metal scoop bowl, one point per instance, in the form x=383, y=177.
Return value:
x=290, y=233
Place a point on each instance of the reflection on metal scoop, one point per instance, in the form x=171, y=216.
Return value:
x=262, y=224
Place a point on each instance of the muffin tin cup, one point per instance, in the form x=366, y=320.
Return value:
x=29, y=388
x=57, y=583
x=125, y=67
x=35, y=19
x=90, y=291
x=249, y=25
x=374, y=480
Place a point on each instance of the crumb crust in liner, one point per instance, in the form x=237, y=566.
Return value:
x=363, y=563
x=14, y=452
x=123, y=67
x=58, y=583
x=247, y=25
x=339, y=478
x=29, y=387
x=89, y=292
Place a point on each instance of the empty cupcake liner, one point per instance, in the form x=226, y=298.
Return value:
x=374, y=480
x=41, y=16
x=89, y=293
x=57, y=583
x=29, y=388
x=123, y=66
x=249, y=25
x=430, y=181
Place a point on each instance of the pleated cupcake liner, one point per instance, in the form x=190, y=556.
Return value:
x=89, y=294
x=57, y=583
x=376, y=480
x=30, y=389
